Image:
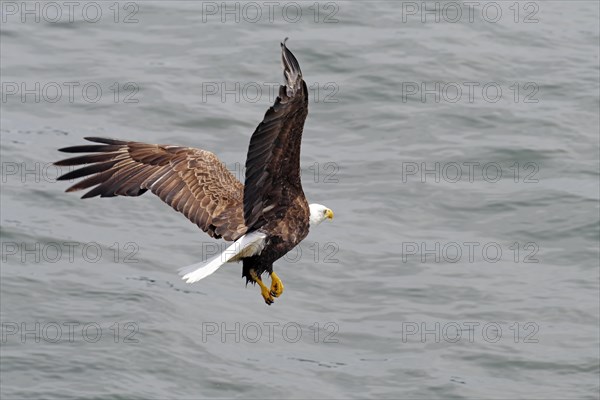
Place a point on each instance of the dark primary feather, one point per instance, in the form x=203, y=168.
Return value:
x=273, y=162
x=192, y=181
x=291, y=69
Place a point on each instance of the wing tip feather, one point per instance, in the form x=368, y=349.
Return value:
x=291, y=69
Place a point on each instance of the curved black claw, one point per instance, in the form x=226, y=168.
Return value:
x=267, y=295
x=276, y=285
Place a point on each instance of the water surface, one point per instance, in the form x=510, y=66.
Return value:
x=463, y=259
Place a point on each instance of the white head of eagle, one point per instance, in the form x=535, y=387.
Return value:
x=319, y=213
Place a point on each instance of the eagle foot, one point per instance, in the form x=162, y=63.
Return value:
x=266, y=294
x=276, y=285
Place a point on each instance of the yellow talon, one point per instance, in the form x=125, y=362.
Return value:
x=276, y=285
x=266, y=295
x=263, y=289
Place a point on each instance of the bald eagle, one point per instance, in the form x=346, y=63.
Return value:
x=265, y=217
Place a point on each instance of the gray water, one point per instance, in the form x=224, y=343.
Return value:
x=438, y=277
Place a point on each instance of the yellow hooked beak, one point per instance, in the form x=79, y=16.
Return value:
x=329, y=214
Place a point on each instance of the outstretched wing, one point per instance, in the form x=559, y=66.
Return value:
x=192, y=181
x=273, y=162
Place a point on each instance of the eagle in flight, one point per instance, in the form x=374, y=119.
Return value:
x=265, y=217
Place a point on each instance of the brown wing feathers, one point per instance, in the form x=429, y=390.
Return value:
x=192, y=181
x=273, y=161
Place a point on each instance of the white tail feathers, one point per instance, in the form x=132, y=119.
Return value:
x=246, y=246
